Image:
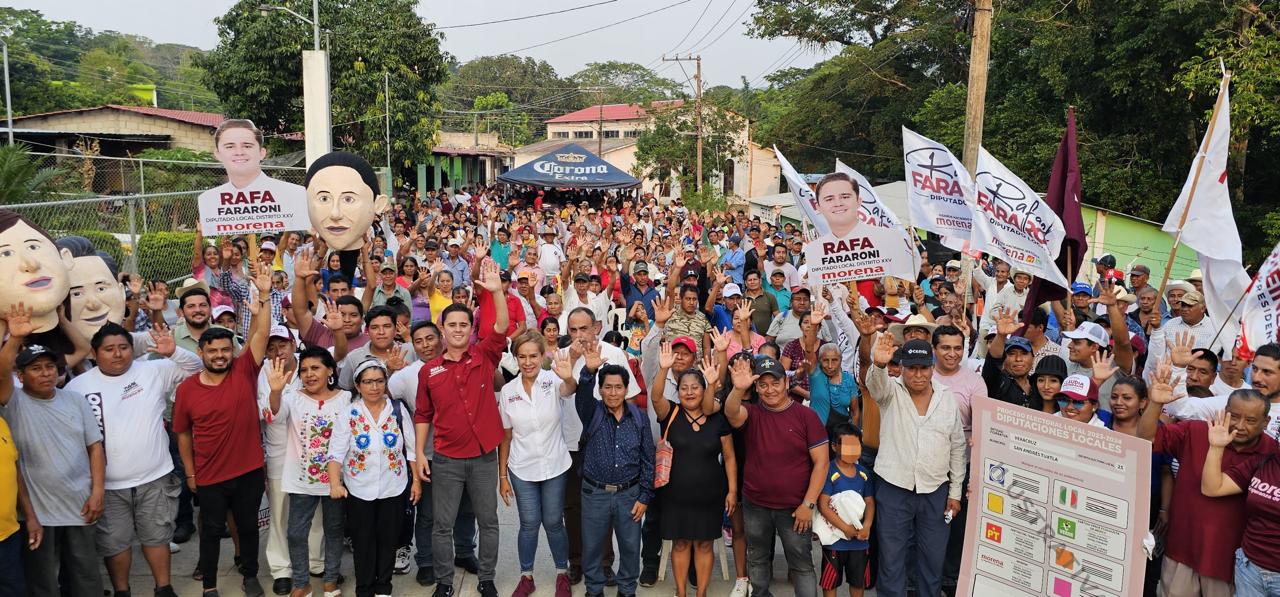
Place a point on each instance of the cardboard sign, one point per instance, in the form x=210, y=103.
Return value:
x=868, y=252
x=1057, y=507
x=266, y=205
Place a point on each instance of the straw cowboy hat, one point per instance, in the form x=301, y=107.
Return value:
x=915, y=321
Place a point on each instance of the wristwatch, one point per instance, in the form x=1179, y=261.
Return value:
x=810, y=505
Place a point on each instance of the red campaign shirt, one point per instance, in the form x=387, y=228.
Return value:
x=457, y=397
x=777, y=473
x=223, y=421
x=1204, y=532
x=485, y=315
x=866, y=288
x=1260, y=480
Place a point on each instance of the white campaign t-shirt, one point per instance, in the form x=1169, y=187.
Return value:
x=404, y=386
x=309, y=425
x=130, y=411
x=538, y=451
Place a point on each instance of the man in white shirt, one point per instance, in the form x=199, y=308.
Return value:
x=1194, y=318
x=403, y=386
x=780, y=262
x=580, y=296
x=129, y=398
x=583, y=328
x=550, y=256
x=921, y=481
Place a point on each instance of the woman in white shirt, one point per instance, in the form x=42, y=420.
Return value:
x=309, y=412
x=370, y=463
x=533, y=459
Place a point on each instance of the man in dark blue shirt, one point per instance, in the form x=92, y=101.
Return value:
x=617, y=472
x=638, y=287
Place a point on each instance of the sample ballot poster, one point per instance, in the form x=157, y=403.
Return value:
x=1056, y=507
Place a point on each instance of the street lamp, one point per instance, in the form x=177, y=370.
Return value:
x=315, y=85
x=8, y=101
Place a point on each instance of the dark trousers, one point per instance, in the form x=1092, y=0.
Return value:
x=66, y=563
x=955, y=547
x=241, y=496
x=651, y=536
x=375, y=529
x=186, y=513
x=908, y=522
x=11, y=578
x=573, y=515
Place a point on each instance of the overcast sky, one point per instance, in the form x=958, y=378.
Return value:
x=642, y=40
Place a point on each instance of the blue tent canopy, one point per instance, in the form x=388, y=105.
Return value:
x=573, y=167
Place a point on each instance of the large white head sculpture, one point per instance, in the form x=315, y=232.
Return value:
x=33, y=270
x=96, y=294
x=343, y=199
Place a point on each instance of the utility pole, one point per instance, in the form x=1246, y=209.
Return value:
x=8, y=101
x=600, y=126
x=697, y=88
x=975, y=103
x=386, y=97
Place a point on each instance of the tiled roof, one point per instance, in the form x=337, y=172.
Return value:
x=614, y=112
x=208, y=119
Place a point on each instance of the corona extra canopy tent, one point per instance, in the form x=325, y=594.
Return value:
x=572, y=167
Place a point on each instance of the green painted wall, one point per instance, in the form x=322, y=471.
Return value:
x=1134, y=241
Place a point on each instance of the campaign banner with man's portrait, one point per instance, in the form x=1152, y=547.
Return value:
x=1011, y=222
x=939, y=190
x=250, y=202
x=872, y=211
x=852, y=249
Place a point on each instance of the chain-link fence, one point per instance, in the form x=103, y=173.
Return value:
x=141, y=211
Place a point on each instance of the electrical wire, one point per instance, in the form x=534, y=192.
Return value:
x=554, y=12
x=732, y=24
x=713, y=25
x=627, y=20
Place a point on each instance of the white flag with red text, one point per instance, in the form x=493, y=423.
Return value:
x=1012, y=222
x=939, y=189
x=802, y=193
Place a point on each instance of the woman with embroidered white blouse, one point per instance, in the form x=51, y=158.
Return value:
x=370, y=464
x=533, y=459
x=310, y=413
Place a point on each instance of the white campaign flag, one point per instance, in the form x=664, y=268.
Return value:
x=939, y=190
x=803, y=194
x=1210, y=227
x=1260, y=316
x=1011, y=222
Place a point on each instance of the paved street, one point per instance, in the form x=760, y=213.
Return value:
x=508, y=572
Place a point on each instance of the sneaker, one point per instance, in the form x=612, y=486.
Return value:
x=649, y=576
x=525, y=588
x=165, y=591
x=443, y=591
x=563, y=586
x=174, y=547
x=609, y=580
x=575, y=574
x=487, y=589
x=469, y=563
x=403, y=559
x=426, y=576
x=183, y=533
x=741, y=588
x=727, y=533
x=251, y=586
x=281, y=586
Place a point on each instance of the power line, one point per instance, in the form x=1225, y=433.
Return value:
x=554, y=12
x=713, y=26
x=732, y=23
x=627, y=20
x=686, y=34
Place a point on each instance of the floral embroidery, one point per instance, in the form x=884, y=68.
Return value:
x=362, y=441
x=389, y=439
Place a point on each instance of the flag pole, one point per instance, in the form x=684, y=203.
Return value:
x=1195, y=178
x=1232, y=312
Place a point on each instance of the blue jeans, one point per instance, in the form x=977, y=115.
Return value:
x=905, y=519
x=541, y=503
x=1253, y=580
x=464, y=529
x=11, y=578
x=302, y=510
x=599, y=507
x=761, y=525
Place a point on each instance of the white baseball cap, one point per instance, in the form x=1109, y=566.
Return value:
x=1090, y=331
x=731, y=289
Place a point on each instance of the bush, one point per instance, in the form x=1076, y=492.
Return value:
x=105, y=242
x=165, y=255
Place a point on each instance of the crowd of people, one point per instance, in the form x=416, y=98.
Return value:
x=619, y=371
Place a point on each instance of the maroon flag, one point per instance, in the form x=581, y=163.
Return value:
x=1063, y=197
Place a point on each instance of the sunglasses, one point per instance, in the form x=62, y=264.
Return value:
x=1075, y=404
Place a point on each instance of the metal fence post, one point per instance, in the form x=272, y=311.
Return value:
x=142, y=190
x=133, y=236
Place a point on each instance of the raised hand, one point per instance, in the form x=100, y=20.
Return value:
x=332, y=317
x=1180, y=349
x=882, y=352
x=562, y=366
x=489, y=276
x=818, y=313
x=591, y=351
x=742, y=375
x=303, y=267
x=863, y=322
x=262, y=280
x=917, y=295
x=720, y=340
x=666, y=356
x=19, y=321
x=277, y=376
x=1106, y=294
x=1220, y=430
x=155, y=298
x=135, y=285
x=164, y=344
x=1006, y=323
x=661, y=310
x=1103, y=366
x=395, y=362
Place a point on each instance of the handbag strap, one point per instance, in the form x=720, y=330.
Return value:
x=671, y=418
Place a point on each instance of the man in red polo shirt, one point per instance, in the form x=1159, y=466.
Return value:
x=456, y=399
x=1204, y=532
x=215, y=415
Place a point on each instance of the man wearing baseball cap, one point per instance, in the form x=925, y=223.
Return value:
x=722, y=301
x=1088, y=339
x=1008, y=365
x=920, y=482
x=784, y=475
x=1193, y=319
x=62, y=462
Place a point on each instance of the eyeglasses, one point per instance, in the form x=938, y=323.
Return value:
x=373, y=382
x=1076, y=404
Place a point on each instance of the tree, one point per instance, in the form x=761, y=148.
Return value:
x=666, y=150
x=497, y=115
x=532, y=86
x=616, y=82
x=22, y=180
x=256, y=70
